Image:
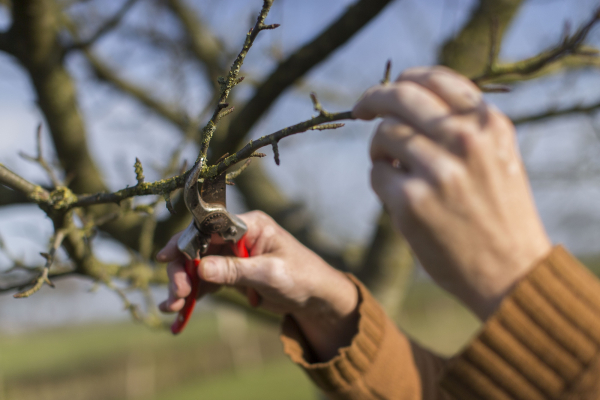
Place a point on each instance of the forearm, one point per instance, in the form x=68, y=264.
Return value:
x=541, y=343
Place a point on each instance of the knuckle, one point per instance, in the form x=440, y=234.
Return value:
x=231, y=272
x=416, y=195
x=275, y=272
x=405, y=91
x=261, y=217
x=468, y=138
x=500, y=123
x=269, y=233
x=451, y=177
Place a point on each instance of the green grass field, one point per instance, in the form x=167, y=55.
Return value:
x=65, y=348
x=430, y=315
x=275, y=381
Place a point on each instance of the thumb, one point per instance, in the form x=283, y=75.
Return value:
x=230, y=270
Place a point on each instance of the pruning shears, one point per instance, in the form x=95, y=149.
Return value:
x=207, y=203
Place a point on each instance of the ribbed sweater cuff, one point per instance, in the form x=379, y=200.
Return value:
x=542, y=343
x=352, y=361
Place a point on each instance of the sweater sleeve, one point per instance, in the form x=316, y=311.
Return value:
x=542, y=343
x=380, y=363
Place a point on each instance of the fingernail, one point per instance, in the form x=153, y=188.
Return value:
x=210, y=270
x=160, y=256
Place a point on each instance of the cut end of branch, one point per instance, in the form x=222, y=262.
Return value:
x=167, y=197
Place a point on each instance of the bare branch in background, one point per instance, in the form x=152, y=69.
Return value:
x=5, y=44
x=554, y=113
x=104, y=28
x=570, y=46
x=41, y=160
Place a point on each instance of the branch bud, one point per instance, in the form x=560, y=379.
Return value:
x=139, y=171
x=275, y=151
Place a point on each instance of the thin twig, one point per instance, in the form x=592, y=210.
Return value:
x=554, y=113
x=288, y=72
x=43, y=278
x=568, y=46
x=267, y=140
x=229, y=82
x=41, y=160
x=386, y=73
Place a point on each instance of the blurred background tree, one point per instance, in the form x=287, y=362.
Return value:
x=114, y=80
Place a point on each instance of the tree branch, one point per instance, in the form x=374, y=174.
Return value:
x=554, y=113
x=15, y=182
x=10, y=285
x=106, y=27
x=5, y=45
x=35, y=37
x=272, y=139
x=469, y=51
x=228, y=83
x=569, y=46
x=294, y=67
x=9, y=196
x=43, y=278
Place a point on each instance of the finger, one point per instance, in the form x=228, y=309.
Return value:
x=234, y=270
x=387, y=182
x=171, y=305
x=408, y=101
x=170, y=252
x=180, y=285
x=457, y=91
x=395, y=140
x=264, y=235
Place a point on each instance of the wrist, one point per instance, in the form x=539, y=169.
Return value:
x=330, y=319
x=488, y=297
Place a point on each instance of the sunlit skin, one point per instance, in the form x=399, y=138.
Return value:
x=447, y=168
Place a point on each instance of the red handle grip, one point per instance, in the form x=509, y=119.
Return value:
x=240, y=250
x=191, y=269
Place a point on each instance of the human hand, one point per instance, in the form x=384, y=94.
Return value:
x=447, y=168
x=290, y=279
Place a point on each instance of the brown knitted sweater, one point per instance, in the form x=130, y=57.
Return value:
x=542, y=343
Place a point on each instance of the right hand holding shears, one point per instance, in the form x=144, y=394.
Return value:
x=289, y=278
